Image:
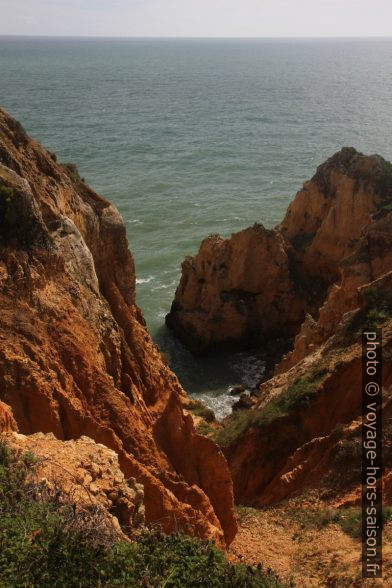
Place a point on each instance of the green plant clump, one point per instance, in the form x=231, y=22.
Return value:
x=6, y=196
x=349, y=519
x=204, y=428
x=299, y=395
x=46, y=543
x=198, y=409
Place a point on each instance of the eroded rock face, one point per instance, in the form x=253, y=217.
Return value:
x=316, y=275
x=75, y=356
x=370, y=261
x=7, y=421
x=85, y=472
x=329, y=215
x=285, y=452
x=235, y=290
x=259, y=284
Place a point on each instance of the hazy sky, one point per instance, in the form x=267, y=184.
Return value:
x=190, y=18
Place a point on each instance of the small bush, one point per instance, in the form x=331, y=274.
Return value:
x=204, y=428
x=235, y=427
x=348, y=454
x=349, y=519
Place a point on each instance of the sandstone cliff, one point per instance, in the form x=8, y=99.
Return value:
x=75, y=356
x=304, y=430
x=260, y=284
x=322, y=274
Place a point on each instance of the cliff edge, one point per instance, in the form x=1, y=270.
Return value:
x=75, y=356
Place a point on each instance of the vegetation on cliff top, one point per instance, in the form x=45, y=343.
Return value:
x=45, y=541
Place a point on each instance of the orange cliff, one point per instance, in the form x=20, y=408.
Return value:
x=75, y=356
x=260, y=284
x=308, y=417
x=323, y=274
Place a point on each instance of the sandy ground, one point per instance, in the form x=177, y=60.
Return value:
x=311, y=555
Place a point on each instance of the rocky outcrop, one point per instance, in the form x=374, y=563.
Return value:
x=260, y=284
x=75, y=356
x=321, y=275
x=371, y=260
x=86, y=474
x=7, y=421
x=235, y=290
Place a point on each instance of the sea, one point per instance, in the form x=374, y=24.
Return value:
x=190, y=137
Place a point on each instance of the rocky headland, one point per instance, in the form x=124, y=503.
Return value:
x=315, y=279
x=260, y=284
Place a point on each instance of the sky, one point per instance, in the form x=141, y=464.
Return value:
x=197, y=18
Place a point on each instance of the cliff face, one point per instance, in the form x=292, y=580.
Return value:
x=324, y=273
x=260, y=284
x=304, y=430
x=235, y=290
x=371, y=260
x=75, y=356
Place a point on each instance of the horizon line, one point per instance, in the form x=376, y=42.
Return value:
x=194, y=37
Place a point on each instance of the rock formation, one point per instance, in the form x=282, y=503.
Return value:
x=87, y=474
x=7, y=421
x=323, y=274
x=260, y=284
x=75, y=356
x=309, y=420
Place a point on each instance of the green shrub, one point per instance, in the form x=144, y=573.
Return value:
x=198, y=409
x=348, y=455
x=46, y=543
x=235, y=426
x=204, y=428
x=349, y=519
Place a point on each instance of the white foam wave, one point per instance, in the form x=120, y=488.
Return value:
x=144, y=280
x=134, y=221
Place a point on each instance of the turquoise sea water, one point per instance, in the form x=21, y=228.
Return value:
x=192, y=137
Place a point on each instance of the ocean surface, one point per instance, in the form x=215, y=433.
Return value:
x=192, y=137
